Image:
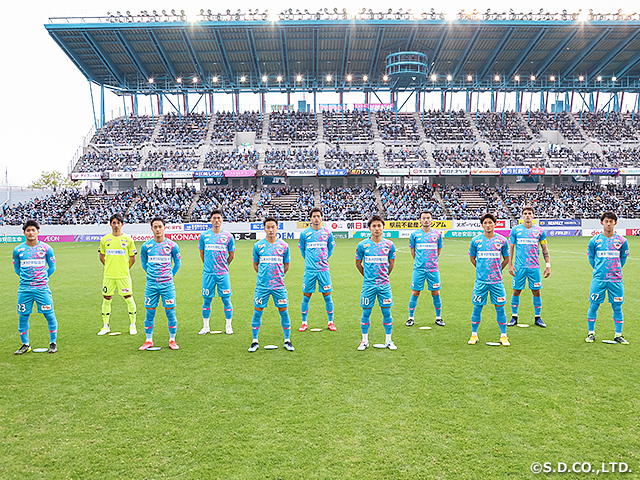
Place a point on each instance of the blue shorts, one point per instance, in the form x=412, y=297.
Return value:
x=370, y=292
x=615, y=291
x=261, y=298
x=210, y=282
x=533, y=275
x=323, y=279
x=420, y=275
x=481, y=289
x=153, y=291
x=42, y=297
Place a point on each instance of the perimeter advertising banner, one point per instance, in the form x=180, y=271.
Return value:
x=183, y=174
x=394, y=172
x=147, y=175
x=576, y=171
x=56, y=238
x=367, y=234
x=462, y=233
x=121, y=175
x=298, y=172
x=515, y=171
x=564, y=233
x=272, y=172
x=569, y=222
x=333, y=172
x=239, y=173
x=424, y=172
x=208, y=174
x=537, y=171
x=363, y=171
x=475, y=224
x=485, y=171
x=605, y=171
x=86, y=176
x=455, y=171
x=414, y=224
x=12, y=238
x=630, y=171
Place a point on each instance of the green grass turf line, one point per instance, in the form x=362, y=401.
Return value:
x=435, y=408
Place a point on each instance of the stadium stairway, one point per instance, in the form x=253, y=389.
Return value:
x=418, y=118
x=575, y=117
x=187, y=216
x=320, y=118
x=473, y=199
x=526, y=124
x=265, y=127
x=379, y=203
x=283, y=204
x=472, y=121
x=317, y=202
x=255, y=201
x=374, y=128
x=156, y=129
x=210, y=129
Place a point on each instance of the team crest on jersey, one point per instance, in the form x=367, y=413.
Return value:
x=501, y=299
x=45, y=308
x=170, y=301
x=126, y=290
x=618, y=299
x=282, y=301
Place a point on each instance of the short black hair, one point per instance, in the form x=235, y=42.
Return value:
x=609, y=214
x=375, y=218
x=425, y=212
x=269, y=219
x=116, y=216
x=315, y=209
x=528, y=208
x=157, y=219
x=31, y=223
x=216, y=211
x=490, y=216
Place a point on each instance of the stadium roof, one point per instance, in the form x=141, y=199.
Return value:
x=233, y=52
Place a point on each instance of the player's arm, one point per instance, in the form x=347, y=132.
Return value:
x=412, y=245
x=392, y=263
x=256, y=265
x=101, y=257
x=256, y=258
x=302, y=245
x=473, y=261
x=512, y=255
x=143, y=258
x=131, y=247
x=392, y=257
x=624, y=253
x=506, y=260
x=413, y=253
x=331, y=244
x=132, y=260
x=286, y=259
x=51, y=262
x=202, y=255
x=547, y=259
x=177, y=261
x=286, y=267
x=359, y=266
x=592, y=253
x=230, y=257
x=472, y=253
x=506, y=254
x=16, y=262
x=231, y=250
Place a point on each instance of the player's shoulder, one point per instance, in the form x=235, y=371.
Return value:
x=44, y=246
x=21, y=247
x=106, y=237
x=501, y=238
x=388, y=243
x=478, y=238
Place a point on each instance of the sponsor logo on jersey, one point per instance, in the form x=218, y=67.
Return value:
x=495, y=254
x=159, y=259
x=126, y=290
x=436, y=285
x=327, y=287
x=316, y=245
x=501, y=299
x=114, y=251
x=527, y=241
x=386, y=301
x=282, y=301
x=608, y=254
x=226, y=291
x=45, y=307
x=271, y=259
x=426, y=246
x=215, y=247
x=537, y=284
x=618, y=299
x=170, y=301
x=376, y=259
x=32, y=262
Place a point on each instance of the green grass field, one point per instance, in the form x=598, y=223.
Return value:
x=435, y=408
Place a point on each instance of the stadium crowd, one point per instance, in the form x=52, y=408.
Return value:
x=447, y=126
x=108, y=161
x=352, y=126
x=231, y=160
x=348, y=203
x=406, y=158
x=406, y=202
x=292, y=158
x=235, y=203
x=171, y=160
x=48, y=210
x=228, y=123
x=188, y=129
x=623, y=157
x=339, y=158
x=562, y=122
x=606, y=127
x=131, y=130
x=460, y=157
x=398, y=127
x=501, y=127
x=294, y=127
x=285, y=203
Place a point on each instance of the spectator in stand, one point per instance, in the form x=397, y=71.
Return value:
x=447, y=126
x=339, y=158
x=293, y=127
x=235, y=203
x=400, y=127
x=132, y=130
x=350, y=126
x=460, y=157
x=231, y=160
x=348, y=203
x=46, y=211
x=188, y=129
x=99, y=161
x=299, y=158
x=505, y=126
x=406, y=158
x=406, y=202
x=170, y=160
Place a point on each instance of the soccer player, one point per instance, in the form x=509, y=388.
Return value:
x=425, y=245
x=118, y=254
x=156, y=256
x=316, y=246
x=271, y=259
x=217, y=250
x=34, y=262
x=608, y=253
x=485, y=252
x=524, y=253
x=375, y=259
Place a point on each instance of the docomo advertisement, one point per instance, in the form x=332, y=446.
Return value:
x=588, y=232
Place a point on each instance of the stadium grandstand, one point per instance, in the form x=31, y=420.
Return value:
x=484, y=111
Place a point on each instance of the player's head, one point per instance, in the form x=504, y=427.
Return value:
x=488, y=216
x=315, y=215
x=32, y=224
x=157, y=227
x=157, y=219
x=117, y=217
x=375, y=218
x=527, y=214
x=270, y=227
x=488, y=221
x=216, y=218
x=610, y=215
x=425, y=218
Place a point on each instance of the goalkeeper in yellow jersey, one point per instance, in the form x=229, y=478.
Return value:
x=117, y=254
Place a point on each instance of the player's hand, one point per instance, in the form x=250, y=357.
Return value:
x=547, y=272
x=512, y=271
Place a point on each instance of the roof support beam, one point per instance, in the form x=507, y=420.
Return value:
x=103, y=57
x=630, y=64
x=496, y=51
x=223, y=53
x=285, y=54
x=132, y=54
x=194, y=56
x=411, y=39
x=164, y=58
x=585, y=53
x=525, y=53
x=345, y=53
x=614, y=53
x=436, y=53
x=376, y=51
x=553, y=55
x=316, y=43
x=464, y=57
x=254, y=54
x=77, y=62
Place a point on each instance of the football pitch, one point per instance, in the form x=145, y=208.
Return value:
x=435, y=408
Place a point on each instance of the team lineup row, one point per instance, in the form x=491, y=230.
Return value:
x=489, y=252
